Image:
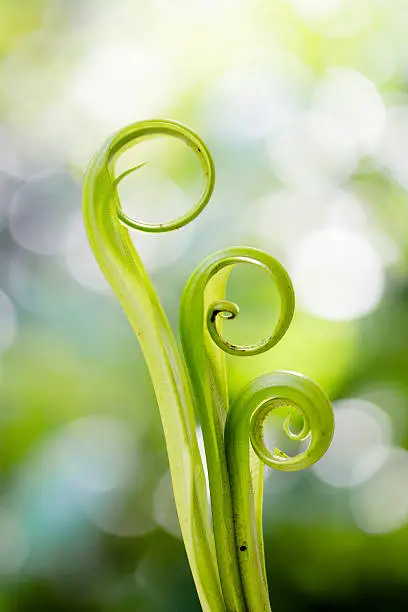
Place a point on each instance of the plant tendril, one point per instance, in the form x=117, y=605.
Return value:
x=115, y=253
x=157, y=127
x=229, y=310
x=246, y=420
x=225, y=550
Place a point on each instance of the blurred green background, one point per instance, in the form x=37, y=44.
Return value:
x=304, y=106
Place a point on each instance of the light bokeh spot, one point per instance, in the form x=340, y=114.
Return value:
x=255, y=101
x=348, y=103
x=8, y=322
x=380, y=505
x=165, y=508
x=95, y=453
x=316, y=9
x=119, y=82
x=14, y=546
x=360, y=428
x=114, y=514
x=79, y=258
x=40, y=210
x=337, y=274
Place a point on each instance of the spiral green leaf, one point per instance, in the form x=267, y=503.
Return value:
x=224, y=549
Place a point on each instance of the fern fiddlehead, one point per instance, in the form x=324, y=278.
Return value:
x=225, y=555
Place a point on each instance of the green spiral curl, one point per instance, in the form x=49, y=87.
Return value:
x=224, y=549
x=120, y=263
x=245, y=422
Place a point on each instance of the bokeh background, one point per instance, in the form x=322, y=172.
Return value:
x=304, y=106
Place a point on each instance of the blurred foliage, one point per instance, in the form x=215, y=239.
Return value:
x=303, y=104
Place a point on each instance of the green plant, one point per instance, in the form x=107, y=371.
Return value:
x=226, y=554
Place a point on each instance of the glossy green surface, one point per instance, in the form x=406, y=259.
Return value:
x=245, y=421
x=225, y=553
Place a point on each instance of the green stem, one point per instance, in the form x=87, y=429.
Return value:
x=122, y=267
x=205, y=359
x=227, y=557
x=245, y=422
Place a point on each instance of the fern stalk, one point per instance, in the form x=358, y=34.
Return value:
x=225, y=550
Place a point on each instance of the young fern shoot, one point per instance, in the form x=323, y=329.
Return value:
x=226, y=554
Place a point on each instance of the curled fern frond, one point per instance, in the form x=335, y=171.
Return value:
x=245, y=422
x=108, y=234
x=225, y=550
